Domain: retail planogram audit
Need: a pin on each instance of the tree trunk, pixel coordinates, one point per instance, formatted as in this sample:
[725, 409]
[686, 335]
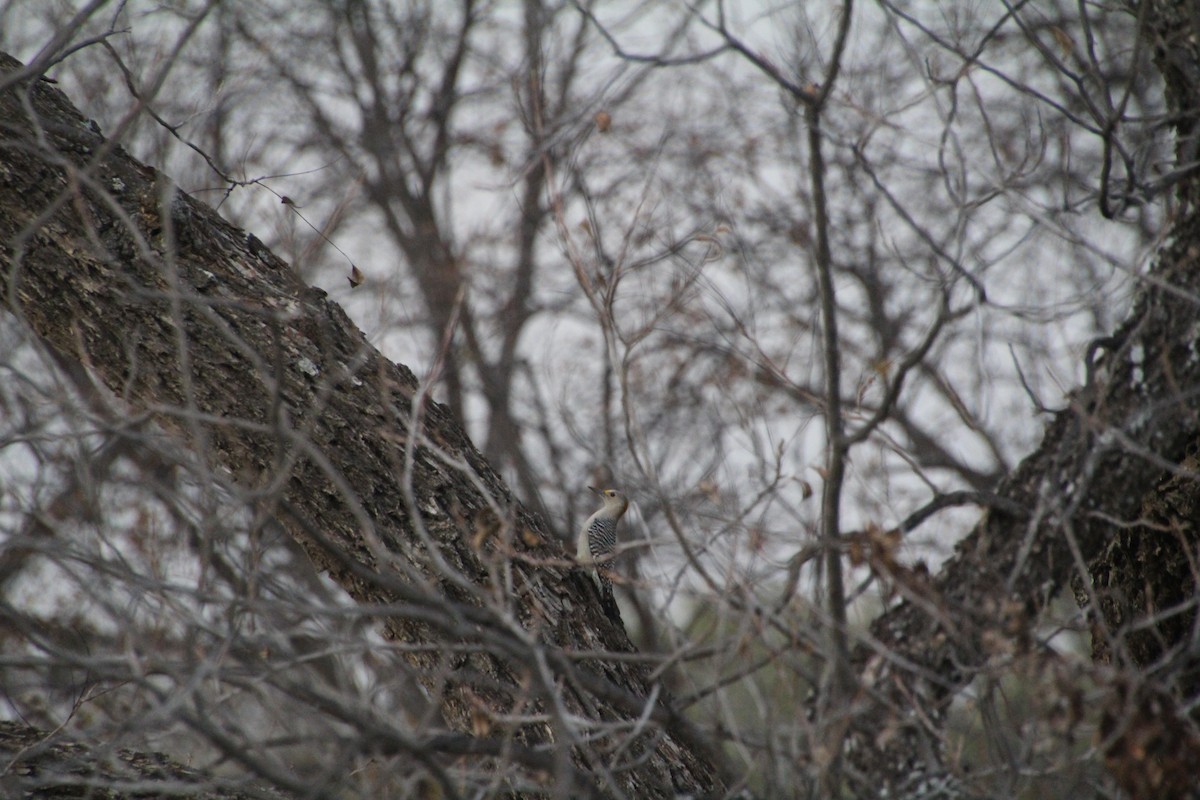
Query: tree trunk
[196, 325]
[1111, 492]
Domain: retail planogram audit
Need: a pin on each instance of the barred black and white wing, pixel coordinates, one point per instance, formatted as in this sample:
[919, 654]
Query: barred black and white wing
[602, 538]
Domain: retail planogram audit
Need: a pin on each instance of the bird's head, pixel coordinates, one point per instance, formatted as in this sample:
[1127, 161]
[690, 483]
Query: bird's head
[613, 499]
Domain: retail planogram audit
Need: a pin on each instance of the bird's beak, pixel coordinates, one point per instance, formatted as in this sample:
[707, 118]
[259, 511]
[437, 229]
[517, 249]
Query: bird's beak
[594, 489]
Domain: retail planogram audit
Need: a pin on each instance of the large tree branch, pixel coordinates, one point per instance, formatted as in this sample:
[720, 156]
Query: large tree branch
[190, 321]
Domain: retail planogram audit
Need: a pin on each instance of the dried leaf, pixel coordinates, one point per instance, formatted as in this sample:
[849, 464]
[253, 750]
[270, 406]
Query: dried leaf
[1064, 40]
[355, 277]
[603, 121]
[486, 526]
[481, 724]
[856, 551]
[758, 539]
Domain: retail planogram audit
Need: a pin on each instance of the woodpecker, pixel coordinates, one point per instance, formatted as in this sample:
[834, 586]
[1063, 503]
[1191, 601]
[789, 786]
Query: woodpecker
[598, 541]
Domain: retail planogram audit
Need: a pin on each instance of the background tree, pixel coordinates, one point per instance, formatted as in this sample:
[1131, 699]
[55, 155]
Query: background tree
[733, 259]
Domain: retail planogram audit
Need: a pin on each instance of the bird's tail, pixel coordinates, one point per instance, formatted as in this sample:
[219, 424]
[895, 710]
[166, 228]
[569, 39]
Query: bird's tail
[608, 601]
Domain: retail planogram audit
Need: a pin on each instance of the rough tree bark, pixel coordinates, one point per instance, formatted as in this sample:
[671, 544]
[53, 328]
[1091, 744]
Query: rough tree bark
[110, 265]
[197, 326]
[1111, 493]
[48, 768]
